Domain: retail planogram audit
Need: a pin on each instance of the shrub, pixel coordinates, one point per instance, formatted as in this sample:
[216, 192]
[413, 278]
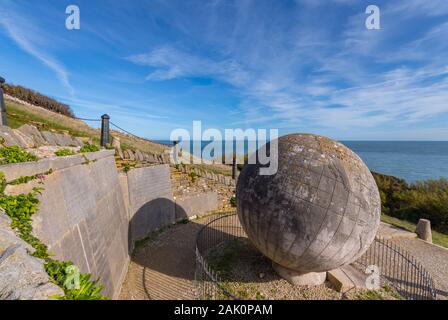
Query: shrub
[14, 154]
[64, 152]
[89, 148]
[192, 176]
[232, 201]
[38, 99]
[411, 202]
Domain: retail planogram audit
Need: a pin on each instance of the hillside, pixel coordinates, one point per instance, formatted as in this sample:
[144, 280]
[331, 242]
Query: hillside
[19, 113]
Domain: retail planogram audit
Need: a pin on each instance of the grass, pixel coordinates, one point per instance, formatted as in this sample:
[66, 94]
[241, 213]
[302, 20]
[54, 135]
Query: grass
[18, 115]
[437, 237]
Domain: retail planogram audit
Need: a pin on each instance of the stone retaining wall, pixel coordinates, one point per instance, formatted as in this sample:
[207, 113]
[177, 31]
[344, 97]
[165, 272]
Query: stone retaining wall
[28, 136]
[82, 215]
[92, 216]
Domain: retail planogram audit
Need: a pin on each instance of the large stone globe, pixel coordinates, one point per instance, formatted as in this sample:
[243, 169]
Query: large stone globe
[320, 211]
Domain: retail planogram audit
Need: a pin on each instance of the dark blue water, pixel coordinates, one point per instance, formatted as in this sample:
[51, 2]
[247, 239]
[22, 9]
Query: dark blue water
[409, 160]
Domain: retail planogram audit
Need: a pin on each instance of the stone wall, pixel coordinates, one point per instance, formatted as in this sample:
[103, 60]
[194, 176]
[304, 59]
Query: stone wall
[151, 205]
[82, 215]
[91, 215]
[196, 205]
[21, 276]
[28, 136]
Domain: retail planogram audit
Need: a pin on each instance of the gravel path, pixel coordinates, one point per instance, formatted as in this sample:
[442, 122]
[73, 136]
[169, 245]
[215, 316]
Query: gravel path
[433, 258]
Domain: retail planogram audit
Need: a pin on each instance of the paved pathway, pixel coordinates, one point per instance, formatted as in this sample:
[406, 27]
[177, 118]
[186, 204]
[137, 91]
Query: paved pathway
[433, 258]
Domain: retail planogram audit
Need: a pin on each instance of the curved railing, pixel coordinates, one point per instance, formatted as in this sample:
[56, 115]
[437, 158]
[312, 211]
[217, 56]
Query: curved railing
[397, 267]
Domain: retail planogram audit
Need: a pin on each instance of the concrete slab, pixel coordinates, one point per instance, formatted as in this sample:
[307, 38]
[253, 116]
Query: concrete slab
[347, 278]
[387, 231]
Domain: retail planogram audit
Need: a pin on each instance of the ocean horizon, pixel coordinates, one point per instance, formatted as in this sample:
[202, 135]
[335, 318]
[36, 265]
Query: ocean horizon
[409, 160]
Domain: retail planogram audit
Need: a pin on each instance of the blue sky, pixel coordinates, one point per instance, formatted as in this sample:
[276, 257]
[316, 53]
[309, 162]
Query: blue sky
[299, 66]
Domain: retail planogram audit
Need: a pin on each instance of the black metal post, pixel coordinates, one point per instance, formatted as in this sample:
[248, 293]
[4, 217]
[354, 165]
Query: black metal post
[105, 137]
[234, 167]
[2, 104]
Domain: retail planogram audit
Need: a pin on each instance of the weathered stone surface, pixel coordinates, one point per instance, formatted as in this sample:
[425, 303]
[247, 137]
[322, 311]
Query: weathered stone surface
[25, 141]
[116, 144]
[196, 205]
[21, 276]
[150, 200]
[9, 138]
[423, 230]
[300, 279]
[347, 278]
[77, 141]
[131, 155]
[120, 153]
[319, 212]
[138, 156]
[82, 214]
[50, 138]
[32, 132]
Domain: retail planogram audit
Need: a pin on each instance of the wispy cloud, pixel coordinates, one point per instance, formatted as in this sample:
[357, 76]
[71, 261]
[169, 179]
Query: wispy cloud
[306, 75]
[30, 38]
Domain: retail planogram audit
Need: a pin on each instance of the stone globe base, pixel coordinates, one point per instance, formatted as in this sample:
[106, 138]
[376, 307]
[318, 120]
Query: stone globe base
[300, 279]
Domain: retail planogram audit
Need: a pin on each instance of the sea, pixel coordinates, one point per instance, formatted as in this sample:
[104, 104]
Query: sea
[409, 160]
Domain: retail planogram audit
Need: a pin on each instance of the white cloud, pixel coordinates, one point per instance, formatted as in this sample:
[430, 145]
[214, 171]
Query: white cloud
[30, 38]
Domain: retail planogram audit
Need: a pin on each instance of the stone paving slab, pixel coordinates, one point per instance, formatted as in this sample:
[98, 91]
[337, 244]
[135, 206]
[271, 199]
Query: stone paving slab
[387, 231]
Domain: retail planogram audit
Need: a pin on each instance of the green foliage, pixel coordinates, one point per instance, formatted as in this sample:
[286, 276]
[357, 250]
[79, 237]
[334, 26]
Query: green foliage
[193, 176]
[20, 208]
[64, 152]
[126, 168]
[411, 202]
[232, 201]
[25, 179]
[89, 148]
[13, 154]
[37, 99]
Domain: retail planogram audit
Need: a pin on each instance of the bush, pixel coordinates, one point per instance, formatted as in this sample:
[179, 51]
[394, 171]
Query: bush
[64, 152]
[14, 154]
[232, 201]
[38, 99]
[411, 202]
[89, 148]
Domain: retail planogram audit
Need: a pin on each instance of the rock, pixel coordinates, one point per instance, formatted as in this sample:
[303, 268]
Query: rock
[262, 275]
[77, 141]
[131, 155]
[116, 143]
[33, 133]
[423, 230]
[298, 278]
[21, 275]
[50, 138]
[138, 156]
[9, 138]
[120, 153]
[26, 141]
